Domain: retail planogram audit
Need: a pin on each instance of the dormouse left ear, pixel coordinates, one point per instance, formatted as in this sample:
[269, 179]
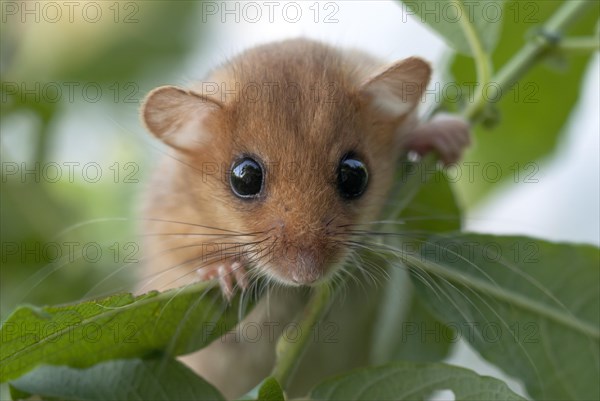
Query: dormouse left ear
[175, 116]
[397, 91]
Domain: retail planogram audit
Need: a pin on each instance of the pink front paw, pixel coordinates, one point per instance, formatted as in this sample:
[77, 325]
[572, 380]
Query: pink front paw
[229, 274]
[446, 134]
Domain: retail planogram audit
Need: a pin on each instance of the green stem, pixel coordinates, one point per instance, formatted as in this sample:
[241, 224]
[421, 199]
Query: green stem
[289, 353]
[483, 63]
[532, 53]
[579, 45]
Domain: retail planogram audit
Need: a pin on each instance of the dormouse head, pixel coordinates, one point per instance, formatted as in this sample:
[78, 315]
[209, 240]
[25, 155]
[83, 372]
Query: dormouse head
[302, 141]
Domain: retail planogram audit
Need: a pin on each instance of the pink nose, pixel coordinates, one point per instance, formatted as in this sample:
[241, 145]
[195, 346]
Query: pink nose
[307, 269]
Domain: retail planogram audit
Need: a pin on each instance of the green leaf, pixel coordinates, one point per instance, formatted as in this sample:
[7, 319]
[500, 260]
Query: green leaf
[176, 322]
[531, 114]
[16, 394]
[403, 336]
[412, 381]
[462, 24]
[267, 390]
[123, 380]
[422, 337]
[528, 306]
[421, 200]
[433, 209]
[270, 390]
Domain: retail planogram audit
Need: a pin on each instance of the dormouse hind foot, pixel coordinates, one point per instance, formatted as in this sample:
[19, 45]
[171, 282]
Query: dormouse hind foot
[446, 134]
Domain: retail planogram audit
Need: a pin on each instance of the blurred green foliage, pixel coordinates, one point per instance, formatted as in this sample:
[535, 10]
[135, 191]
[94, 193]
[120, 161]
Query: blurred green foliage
[126, 46]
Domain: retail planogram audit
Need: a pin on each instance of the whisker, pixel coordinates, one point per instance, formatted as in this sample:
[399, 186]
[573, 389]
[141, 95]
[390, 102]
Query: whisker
[185, 234]
[191, 225]
[415, 262]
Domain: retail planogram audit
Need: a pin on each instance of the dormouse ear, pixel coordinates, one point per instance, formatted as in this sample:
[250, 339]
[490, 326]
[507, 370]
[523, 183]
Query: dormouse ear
[397, 90]
[174, 115]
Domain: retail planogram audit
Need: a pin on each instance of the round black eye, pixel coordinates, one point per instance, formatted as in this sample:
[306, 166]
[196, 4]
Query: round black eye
[246, 178]
[352, 177]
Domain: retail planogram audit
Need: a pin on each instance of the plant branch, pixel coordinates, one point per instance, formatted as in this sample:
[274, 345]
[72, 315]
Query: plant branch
[583, 45]
[483, 62]
[547, 39]
[289, 352]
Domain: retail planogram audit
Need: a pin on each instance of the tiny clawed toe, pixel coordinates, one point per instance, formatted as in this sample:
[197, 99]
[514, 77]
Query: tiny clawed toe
[229, 276]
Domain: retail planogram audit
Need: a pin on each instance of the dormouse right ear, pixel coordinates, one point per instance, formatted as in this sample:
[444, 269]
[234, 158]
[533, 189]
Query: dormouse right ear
[396, 91]
[175, 115]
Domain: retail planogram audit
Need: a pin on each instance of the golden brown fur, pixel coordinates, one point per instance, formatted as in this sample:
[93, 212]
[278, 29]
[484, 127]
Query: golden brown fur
[310, 110]
[311, 105]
